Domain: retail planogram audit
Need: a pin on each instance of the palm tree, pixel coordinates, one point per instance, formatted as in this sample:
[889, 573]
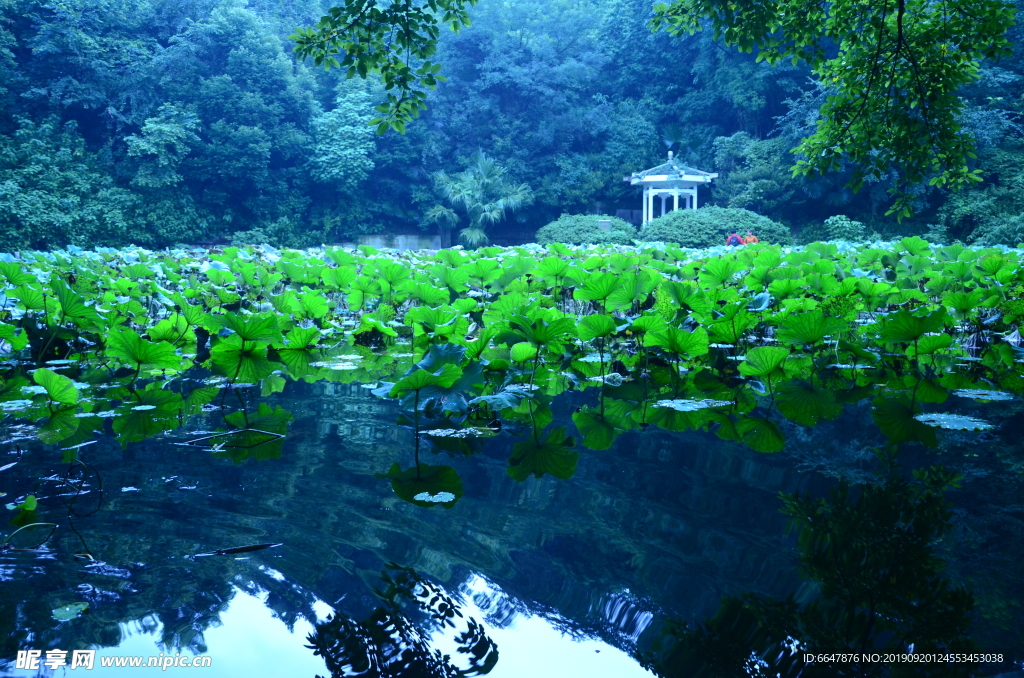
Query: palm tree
[483, 192]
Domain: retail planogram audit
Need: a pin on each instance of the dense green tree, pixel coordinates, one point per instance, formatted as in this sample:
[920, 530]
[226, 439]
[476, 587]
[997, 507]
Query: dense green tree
[893, 81]
[192, 121]
[52, 192]
[342, 142]
[165, 140]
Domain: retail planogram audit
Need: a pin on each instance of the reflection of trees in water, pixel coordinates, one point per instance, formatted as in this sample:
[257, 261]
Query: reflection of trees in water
[874, 584]
[394, 640]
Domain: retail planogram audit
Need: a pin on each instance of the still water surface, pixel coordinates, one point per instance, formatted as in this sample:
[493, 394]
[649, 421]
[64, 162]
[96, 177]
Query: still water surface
[540, 578]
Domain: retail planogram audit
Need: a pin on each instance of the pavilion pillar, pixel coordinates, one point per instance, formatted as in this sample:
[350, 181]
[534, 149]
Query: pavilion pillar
[643, 210]
[693, 198]
[664, 197]
[675, 199]
[650, 205]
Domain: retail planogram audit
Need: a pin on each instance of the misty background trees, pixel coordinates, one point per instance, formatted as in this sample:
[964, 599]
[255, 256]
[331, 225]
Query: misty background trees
[158, 122]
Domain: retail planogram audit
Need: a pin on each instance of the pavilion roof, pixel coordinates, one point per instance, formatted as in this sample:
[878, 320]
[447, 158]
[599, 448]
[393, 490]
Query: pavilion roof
[672, 171]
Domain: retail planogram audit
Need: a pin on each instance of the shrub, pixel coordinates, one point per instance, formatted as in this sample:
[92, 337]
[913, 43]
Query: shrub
[1006, 231]
[583, 229]
[708, 226]
[839, 227]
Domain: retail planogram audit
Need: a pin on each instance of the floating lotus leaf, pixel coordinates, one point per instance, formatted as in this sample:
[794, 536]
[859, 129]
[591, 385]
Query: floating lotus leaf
[425, 485]
[459, 432]
[689, 405]
[983, 394]
[954, 422]
[70, 611]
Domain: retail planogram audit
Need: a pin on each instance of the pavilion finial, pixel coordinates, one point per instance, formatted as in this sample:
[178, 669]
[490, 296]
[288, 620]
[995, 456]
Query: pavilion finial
[670, 156]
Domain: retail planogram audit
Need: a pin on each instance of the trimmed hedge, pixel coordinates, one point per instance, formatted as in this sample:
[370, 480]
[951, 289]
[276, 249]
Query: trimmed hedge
[708, 227]
[583, 229]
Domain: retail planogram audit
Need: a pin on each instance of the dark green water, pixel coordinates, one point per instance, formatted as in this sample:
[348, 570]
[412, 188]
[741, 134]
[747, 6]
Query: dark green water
[544, 577]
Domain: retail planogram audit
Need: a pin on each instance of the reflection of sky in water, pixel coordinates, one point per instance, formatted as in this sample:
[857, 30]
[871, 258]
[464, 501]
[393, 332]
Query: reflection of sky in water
[530, 645]
[249, 642]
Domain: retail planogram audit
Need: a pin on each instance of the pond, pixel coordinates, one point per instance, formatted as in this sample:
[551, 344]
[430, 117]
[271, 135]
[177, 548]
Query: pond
[548, 576]
[595, 462]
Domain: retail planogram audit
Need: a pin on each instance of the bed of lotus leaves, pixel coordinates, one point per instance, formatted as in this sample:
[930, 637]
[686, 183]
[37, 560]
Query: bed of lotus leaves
[468, 343]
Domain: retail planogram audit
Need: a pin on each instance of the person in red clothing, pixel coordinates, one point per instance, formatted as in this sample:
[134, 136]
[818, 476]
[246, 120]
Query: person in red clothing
[733, 238]
[750, 238]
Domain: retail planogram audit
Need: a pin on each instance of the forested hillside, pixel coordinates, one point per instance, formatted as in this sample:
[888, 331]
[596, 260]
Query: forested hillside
[158, 122]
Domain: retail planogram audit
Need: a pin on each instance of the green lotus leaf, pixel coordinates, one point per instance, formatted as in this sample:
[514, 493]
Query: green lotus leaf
[194, 401]
[598, 432]
[648, 323]
[442, 354]
[964, 304]
[904, 326]
[931, 343]
[419, 379]
[71, 303]
[786, 287]
[761, 435]
[61, 425]
[240, 360]
[127, 345]
[764, 361]
[313, 304]
[551, 455]
[523, 352]
[895, 417]
[69, 611]
[59, 388]
[247, 327]
[29, 504]
[914, 245]
[554, 269]
[194, 315]
[425, 485]
[15, 274]
[338, 278]
[482, 271]
[597, 287]
[596, 326]
[300, 338]
[805, 403]
[679, 342]
[632, 289]
[172, 330]
[717, 272]
[809, 328]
